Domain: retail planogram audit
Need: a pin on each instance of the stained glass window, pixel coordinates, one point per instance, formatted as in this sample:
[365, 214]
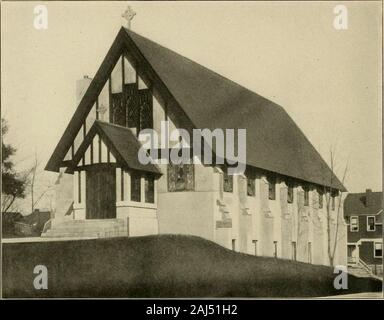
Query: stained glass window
[135, 187]
[180, 177]
[228, 182]
[149, 189]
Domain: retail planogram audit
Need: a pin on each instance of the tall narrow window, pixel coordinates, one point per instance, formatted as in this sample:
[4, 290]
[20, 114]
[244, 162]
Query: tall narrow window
[306, 196]
[271, 188]
[290, 192]
[135, 187]
[149, 189]
[294, 251]
[181, 177]
[79, 186]
[234, 244]
[122, 184]
[275, 249]
[309, 252]
[255, 244]
[228, 182]
[320, 199]
[333, 202]
[251, 187]
[378, 250]
[371, 223]
[354, 225]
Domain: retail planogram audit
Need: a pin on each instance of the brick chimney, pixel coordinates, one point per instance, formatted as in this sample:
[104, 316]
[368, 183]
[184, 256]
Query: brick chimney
[368, 198]
[81, 87]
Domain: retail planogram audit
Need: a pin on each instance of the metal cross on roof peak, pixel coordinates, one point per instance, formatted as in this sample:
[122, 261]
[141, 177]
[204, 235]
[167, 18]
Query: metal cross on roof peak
[128, 15]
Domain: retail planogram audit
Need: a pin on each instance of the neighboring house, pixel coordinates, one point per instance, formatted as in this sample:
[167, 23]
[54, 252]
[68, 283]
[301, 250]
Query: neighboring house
[17, 225]
[276, 208]
[37, 220]
[8, 222]
[364, 215]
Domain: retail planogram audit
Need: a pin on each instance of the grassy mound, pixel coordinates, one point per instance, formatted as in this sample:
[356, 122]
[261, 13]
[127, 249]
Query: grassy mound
[162, 266]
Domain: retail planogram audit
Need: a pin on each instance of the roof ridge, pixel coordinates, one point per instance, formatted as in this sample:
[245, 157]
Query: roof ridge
[202, 66]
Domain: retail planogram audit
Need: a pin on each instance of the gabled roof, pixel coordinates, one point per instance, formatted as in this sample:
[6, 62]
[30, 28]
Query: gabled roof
[356, 204]
[122, 143]
[209, 100]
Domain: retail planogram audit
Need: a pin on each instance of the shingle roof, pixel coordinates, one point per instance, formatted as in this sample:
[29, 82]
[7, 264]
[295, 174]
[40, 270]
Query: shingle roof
[274, 141]
[122, 142]
[356, 203]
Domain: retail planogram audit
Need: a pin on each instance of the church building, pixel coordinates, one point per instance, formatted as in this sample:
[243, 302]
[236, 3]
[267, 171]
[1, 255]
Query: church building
[284, 205]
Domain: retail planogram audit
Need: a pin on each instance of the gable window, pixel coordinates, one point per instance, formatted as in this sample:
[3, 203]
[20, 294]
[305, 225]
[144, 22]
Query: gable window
[271, 188]
[306, 196]
[180, 177]
[290, 193]
[378, 250]
[354, 225]
[228, 182]
[149, 189]
[135, 187]
[251, 187]
[371, 223]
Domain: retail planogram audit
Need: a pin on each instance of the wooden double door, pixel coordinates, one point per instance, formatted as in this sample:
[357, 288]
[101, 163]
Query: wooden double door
[100, 192]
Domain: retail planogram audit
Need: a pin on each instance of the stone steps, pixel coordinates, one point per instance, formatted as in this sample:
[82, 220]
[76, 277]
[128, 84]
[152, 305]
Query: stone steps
[359, 272]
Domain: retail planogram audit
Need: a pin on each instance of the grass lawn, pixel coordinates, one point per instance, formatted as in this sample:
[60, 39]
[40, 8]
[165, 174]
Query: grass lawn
[162, 266]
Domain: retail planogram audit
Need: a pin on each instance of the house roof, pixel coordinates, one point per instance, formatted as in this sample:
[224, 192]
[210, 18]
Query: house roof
[122, 143]
[356, 203]
[274, 142]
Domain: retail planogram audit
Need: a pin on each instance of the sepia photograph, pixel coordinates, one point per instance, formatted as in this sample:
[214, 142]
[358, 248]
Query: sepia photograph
[191, 149]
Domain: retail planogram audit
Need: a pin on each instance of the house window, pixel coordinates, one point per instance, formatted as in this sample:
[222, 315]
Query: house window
[333, 202]
[275, 249]
[251, 187]
[354, 225]
[234, 244]
[135, 187]
[255, 244]
[290, 193]
[180, 177]
[306, 196]
[294, 251]
[378, 250]
[371, 223]
[271, 188]
[149, 189]
[228, 182]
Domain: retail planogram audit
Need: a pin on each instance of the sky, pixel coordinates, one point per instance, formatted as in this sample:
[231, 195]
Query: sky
[328, 80]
